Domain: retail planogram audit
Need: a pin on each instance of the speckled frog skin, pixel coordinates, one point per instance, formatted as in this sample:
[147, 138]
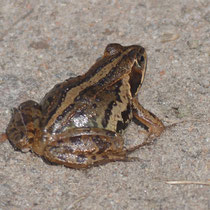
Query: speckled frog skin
[80, 121]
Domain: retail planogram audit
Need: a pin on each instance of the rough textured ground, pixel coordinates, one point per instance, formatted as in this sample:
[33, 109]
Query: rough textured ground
[44, 42]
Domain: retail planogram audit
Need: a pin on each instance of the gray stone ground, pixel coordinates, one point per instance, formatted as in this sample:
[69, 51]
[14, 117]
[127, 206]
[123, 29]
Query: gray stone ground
[44, 42]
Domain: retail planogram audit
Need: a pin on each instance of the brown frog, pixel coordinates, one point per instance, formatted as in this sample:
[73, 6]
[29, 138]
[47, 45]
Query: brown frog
[80, 121]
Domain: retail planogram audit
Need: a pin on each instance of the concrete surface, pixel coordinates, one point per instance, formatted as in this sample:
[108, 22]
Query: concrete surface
[44, 42]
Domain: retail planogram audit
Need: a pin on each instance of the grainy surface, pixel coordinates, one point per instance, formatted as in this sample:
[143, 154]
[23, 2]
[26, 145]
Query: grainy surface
[45, 42]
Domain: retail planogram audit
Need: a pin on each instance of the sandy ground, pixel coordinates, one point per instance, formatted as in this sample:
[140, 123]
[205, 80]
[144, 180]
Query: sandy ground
[44, 42]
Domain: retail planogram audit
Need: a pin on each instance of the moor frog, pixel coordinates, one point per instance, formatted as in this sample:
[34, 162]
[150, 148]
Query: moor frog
[80, 121]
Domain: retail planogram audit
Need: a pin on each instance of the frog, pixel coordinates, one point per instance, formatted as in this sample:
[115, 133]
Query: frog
[80, 122]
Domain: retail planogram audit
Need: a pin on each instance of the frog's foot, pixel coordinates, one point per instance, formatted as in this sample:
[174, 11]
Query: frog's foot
[151, 123]
[175, 123]
[24, 125]
[113, 157]
[148, 141]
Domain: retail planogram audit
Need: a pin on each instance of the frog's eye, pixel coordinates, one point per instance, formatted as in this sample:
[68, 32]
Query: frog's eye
[140, 60]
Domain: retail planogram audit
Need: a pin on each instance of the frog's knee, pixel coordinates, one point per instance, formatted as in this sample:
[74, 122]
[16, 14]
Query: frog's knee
[21, 128]
[17, 137]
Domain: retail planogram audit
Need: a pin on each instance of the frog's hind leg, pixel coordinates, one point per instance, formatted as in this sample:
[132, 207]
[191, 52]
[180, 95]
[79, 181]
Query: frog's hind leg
[146, 142]
[24, 125]
[86, 147]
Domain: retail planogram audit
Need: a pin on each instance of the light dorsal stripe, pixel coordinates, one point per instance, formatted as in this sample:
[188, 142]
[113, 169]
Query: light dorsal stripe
[75, 91]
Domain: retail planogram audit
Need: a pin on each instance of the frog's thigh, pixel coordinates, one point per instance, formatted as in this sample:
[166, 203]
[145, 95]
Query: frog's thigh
[152, 123]
[24, 125]
[83, 147]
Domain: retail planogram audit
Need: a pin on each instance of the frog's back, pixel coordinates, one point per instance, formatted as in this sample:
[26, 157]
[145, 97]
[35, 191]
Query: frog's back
[109, 109]
[55, 97]
[61, 98]
[100, 98]
[113, 107]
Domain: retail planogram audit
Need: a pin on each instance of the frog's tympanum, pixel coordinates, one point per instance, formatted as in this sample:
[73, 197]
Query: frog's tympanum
[80, 121]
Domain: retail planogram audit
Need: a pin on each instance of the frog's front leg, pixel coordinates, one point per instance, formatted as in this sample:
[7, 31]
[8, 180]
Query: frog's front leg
[85, 147]
[25, 125]
[150, 122]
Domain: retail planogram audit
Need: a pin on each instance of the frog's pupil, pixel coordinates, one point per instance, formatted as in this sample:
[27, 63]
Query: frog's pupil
[140, 60]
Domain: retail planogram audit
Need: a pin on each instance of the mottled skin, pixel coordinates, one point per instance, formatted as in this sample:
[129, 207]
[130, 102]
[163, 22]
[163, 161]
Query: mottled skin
[80, 121]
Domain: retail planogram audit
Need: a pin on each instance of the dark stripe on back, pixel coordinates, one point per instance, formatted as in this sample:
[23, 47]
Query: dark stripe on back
[80, 79]
[107, 114]
[113, 75]
[121, 125]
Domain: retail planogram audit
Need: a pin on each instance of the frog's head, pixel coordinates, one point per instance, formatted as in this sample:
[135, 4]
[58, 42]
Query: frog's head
[132, 60]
